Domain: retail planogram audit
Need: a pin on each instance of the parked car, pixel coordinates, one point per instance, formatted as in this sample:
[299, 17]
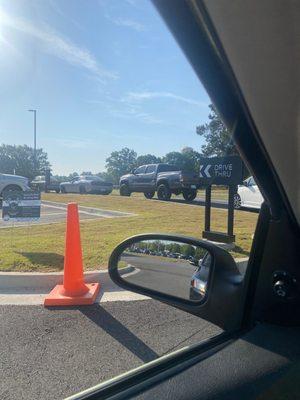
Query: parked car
[200, 278]
[13, 182]
[39, 183]
[164, 179]
[248, 195]
[87, 184]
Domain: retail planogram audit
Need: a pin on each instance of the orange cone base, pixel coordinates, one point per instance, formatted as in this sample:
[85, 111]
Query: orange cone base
[54, 298]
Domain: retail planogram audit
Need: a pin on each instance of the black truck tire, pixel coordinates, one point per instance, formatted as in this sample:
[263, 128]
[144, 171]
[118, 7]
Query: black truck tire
[11, 187]
[124, 190]
[189, 194]
[149, 195]
[163, 192]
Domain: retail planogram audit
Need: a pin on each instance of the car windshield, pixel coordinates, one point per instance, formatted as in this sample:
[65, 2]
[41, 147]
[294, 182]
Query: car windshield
[97, 91]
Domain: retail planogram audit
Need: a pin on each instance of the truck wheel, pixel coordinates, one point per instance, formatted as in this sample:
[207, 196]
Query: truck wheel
[57, 190]
[189, 195]
[149, 195]
[12, 187]
[163, 192]
[63, 189]
[124, 190]
[237, 203]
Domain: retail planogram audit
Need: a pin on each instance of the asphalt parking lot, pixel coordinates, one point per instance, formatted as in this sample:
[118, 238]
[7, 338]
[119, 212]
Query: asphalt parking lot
[54, 212]
[50, 354]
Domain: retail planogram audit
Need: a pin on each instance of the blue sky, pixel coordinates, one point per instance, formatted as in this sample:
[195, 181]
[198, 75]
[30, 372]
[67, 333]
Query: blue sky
[103, 74]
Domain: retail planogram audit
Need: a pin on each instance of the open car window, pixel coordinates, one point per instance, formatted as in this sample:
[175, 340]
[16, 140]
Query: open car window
[102, 88]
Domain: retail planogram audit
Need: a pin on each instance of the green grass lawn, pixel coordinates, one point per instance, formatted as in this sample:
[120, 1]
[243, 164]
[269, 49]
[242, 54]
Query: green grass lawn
[41, 248]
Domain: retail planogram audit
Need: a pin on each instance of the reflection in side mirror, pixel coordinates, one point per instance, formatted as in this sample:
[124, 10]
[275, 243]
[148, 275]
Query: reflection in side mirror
[194, 275]
[170, 267]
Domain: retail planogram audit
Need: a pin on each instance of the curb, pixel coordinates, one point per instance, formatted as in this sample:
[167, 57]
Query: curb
[39, 282]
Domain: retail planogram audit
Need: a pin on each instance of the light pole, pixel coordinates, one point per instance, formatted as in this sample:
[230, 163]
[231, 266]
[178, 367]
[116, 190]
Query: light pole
[34, 137]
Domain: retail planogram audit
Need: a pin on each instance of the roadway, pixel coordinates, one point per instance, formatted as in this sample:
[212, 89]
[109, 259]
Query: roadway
[53, 353]
[55, 212]
[170, 276]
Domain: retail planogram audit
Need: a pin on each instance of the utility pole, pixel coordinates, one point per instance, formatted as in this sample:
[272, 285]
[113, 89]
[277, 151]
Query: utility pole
[34, 138]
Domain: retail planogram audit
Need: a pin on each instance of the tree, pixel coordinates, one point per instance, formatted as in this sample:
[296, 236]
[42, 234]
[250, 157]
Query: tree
[218, 138]
[192, 159]
[120, 163]
[72, 175]
[147, 159]
[187, 160]
[175, 158]
[106, 176]
[187, 250]
[20, 160]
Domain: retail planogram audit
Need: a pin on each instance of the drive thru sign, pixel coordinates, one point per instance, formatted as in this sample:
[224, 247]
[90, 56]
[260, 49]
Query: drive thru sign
[221, 171]
[227, 171]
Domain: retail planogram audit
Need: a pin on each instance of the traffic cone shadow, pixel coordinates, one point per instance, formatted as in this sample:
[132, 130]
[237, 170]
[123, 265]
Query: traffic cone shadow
[73, 291]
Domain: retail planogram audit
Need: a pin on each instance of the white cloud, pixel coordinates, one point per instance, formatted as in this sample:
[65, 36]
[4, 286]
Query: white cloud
[121, 109]
[59, 46]
[136, 114]
[127, 23]
[141, 96]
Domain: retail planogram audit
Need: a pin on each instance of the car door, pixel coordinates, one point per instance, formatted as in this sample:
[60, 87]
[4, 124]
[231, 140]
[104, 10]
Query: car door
[256, 196]
[137, 178]
[148, 178]
[251, 194]
[73, 186]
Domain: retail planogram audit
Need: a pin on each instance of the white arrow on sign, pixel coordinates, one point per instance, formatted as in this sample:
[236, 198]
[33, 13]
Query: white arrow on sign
[205, 173]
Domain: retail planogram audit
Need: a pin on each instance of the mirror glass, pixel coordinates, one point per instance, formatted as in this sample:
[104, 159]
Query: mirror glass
[167, 266]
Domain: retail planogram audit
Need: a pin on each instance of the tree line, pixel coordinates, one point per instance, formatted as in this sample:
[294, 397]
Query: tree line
[158, 246]
[20, 160]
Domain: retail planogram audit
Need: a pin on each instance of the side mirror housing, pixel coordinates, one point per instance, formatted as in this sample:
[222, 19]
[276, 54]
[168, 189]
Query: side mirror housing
[193, 275]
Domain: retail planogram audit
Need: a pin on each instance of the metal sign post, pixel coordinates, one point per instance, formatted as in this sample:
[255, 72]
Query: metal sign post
[225, 171]
[47, 179]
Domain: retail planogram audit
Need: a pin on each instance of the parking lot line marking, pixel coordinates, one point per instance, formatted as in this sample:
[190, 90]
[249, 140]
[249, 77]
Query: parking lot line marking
[49, 203]
[53, 214]
[96, 213]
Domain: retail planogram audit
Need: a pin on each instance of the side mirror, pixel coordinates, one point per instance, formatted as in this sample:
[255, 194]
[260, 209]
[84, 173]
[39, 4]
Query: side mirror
[193, 275]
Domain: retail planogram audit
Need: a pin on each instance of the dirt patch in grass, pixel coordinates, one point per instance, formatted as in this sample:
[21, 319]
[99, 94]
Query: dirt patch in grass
[41, 248]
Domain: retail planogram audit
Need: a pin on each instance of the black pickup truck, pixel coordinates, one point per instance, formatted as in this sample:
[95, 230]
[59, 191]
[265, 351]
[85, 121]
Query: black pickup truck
[164, 179]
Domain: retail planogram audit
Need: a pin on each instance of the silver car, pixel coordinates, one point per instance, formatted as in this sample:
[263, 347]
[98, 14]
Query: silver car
[13, 182]
[87, 184]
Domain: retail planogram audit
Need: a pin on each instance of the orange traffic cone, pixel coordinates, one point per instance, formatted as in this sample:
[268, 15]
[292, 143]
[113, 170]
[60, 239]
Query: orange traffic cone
[73, 291]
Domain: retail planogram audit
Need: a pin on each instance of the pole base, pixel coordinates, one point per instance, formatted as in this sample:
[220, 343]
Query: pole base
[55, 298]
[218, 236]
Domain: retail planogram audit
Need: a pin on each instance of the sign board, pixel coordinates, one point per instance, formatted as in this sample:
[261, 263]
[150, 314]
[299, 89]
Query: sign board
[221, 171]
[21, 206]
